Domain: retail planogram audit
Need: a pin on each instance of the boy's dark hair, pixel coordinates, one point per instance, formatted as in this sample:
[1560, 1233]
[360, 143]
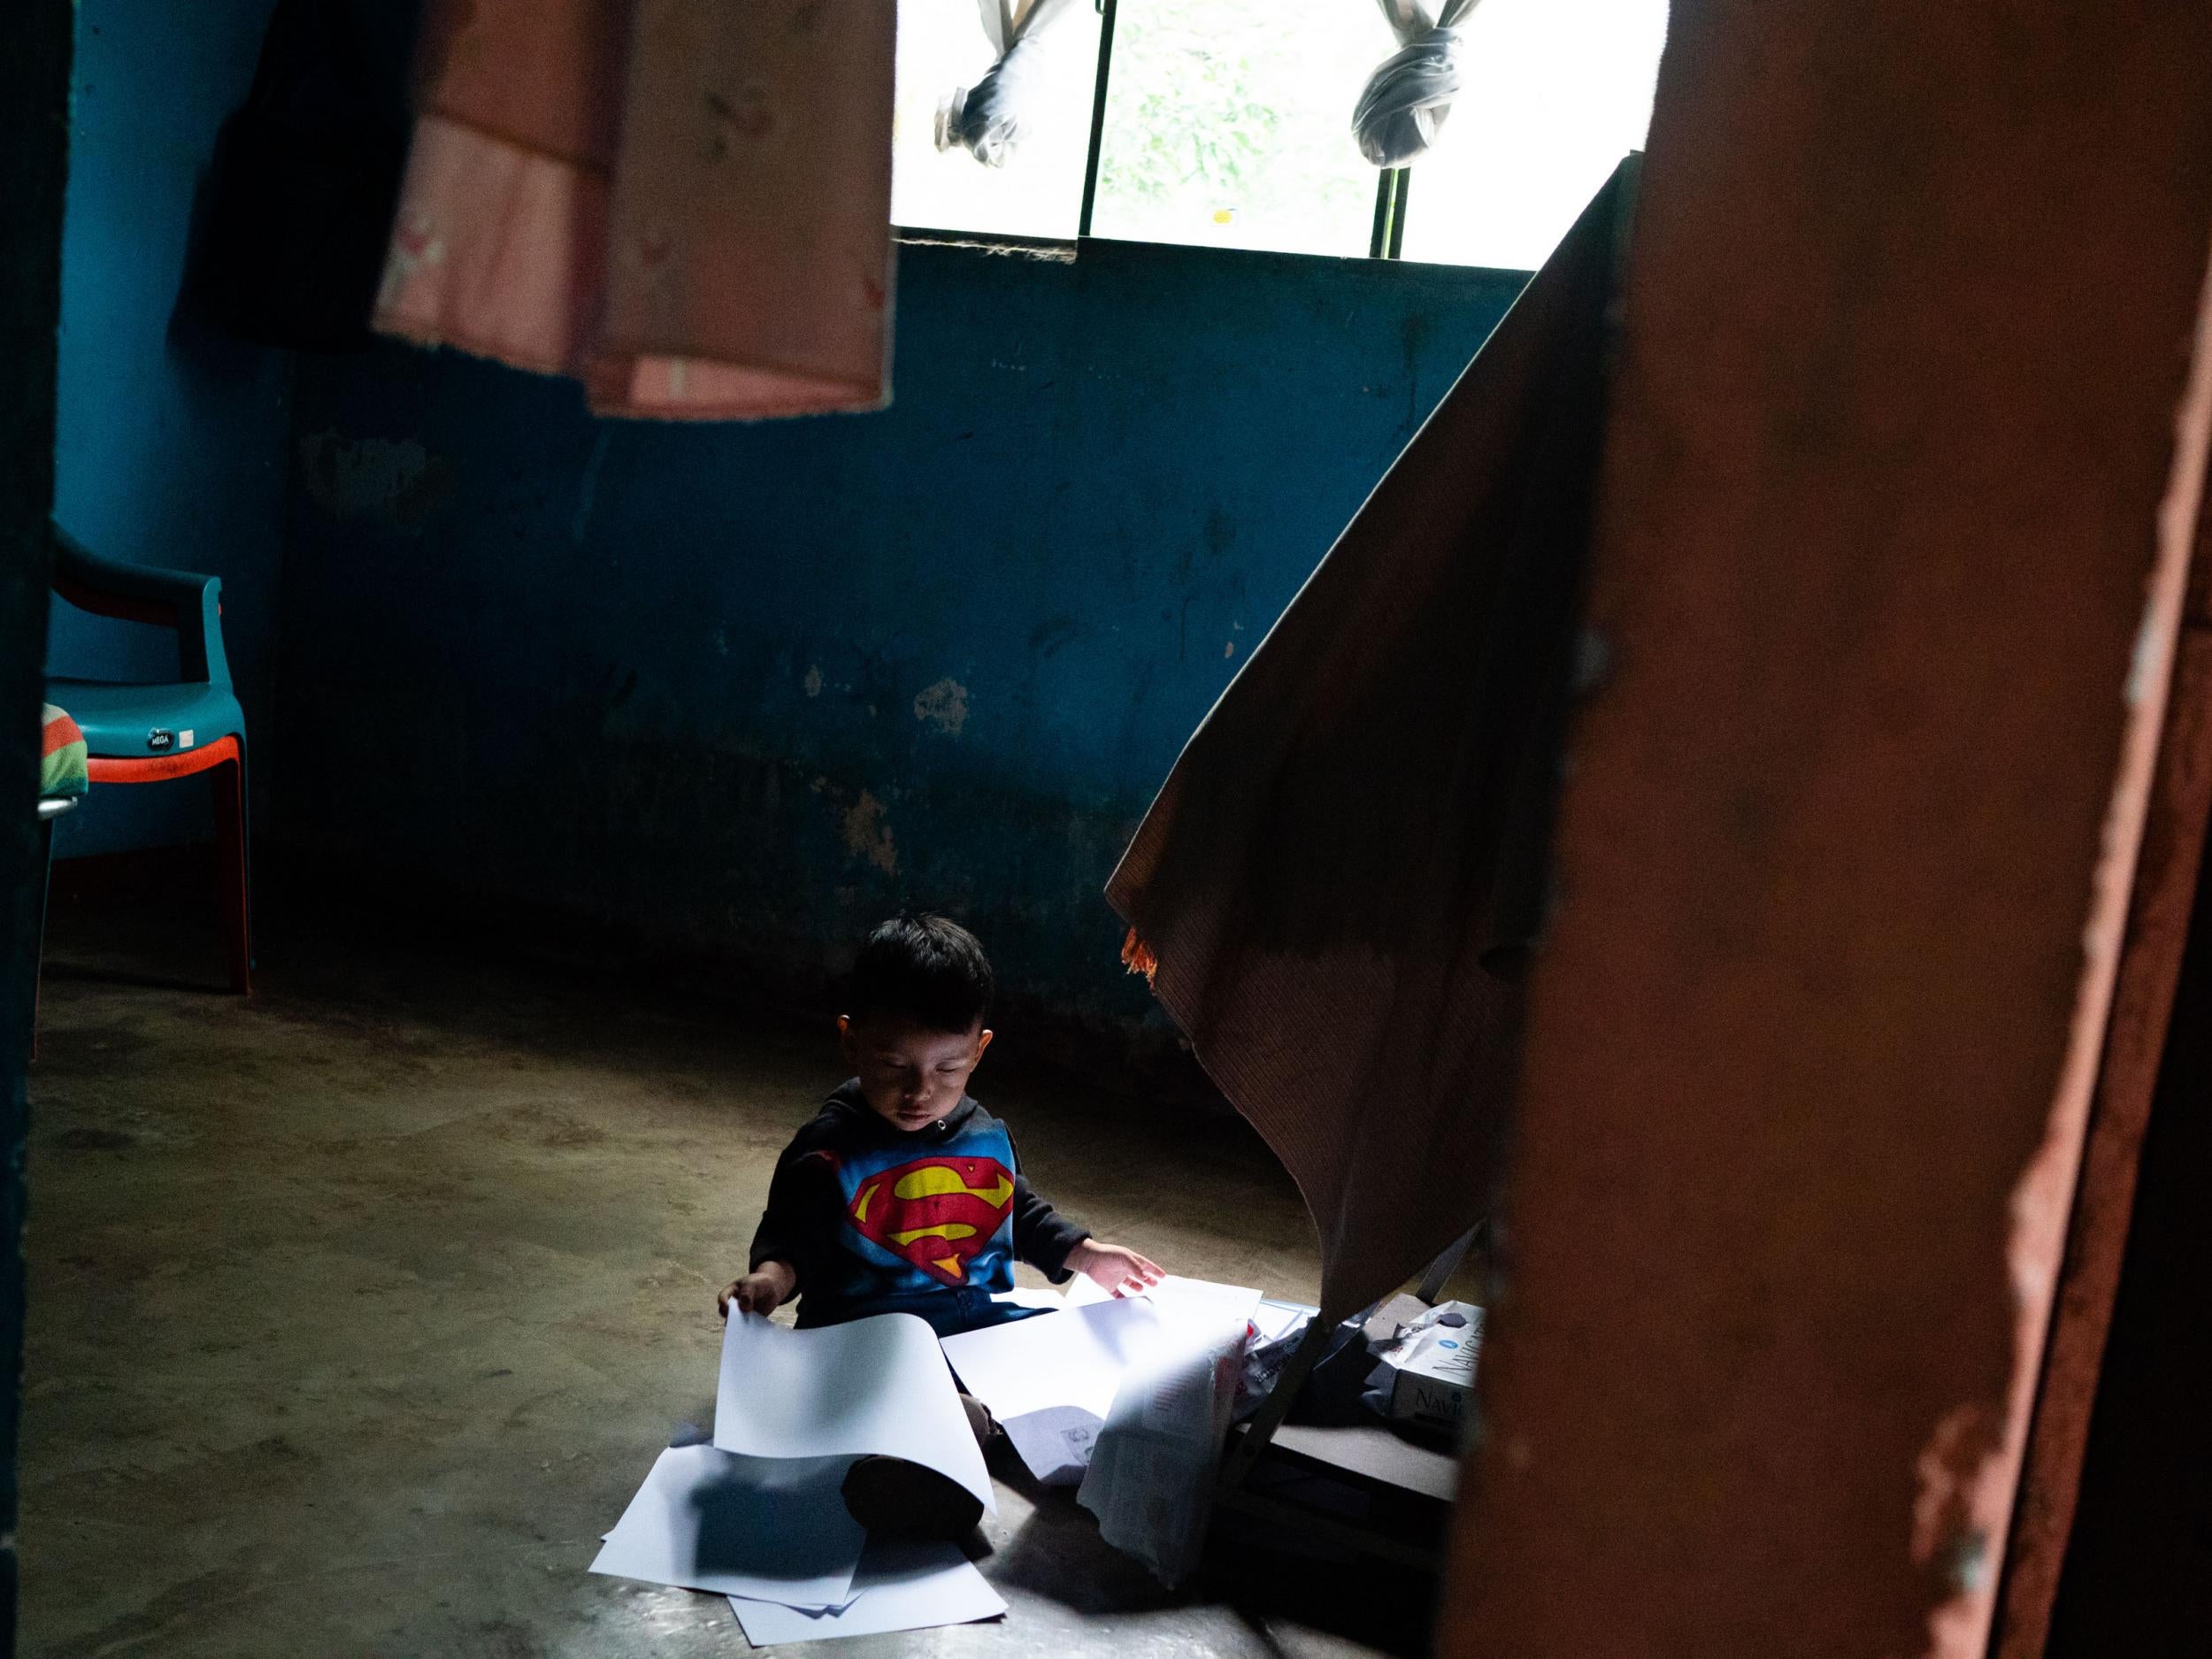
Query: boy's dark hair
[931, 969]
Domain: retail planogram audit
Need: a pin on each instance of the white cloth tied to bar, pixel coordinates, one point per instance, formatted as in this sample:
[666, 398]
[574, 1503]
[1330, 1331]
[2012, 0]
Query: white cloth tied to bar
[989, 118]
[1403, 105]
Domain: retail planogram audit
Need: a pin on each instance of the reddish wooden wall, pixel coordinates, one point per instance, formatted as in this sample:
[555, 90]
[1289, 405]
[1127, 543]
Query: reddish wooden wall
[1893, 527]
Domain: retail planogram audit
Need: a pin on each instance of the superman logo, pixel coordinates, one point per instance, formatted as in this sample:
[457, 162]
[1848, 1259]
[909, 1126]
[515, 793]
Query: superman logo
[935, 1213]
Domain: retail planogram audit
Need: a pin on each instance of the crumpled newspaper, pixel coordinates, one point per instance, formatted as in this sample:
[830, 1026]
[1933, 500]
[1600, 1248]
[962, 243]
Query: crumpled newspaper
[1151, 1476]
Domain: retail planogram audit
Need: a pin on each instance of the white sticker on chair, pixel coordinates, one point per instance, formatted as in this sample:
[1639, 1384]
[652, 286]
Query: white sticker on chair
[184, 738]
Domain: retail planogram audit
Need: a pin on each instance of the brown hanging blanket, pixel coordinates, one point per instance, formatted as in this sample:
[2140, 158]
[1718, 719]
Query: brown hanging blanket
[1336, 889]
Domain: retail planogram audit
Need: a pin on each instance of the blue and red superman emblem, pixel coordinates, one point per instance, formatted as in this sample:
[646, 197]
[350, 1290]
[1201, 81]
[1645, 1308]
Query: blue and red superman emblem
[935, 1214]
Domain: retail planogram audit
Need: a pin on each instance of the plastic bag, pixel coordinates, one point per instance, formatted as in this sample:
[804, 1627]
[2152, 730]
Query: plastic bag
[989, 118]
[1403, 106]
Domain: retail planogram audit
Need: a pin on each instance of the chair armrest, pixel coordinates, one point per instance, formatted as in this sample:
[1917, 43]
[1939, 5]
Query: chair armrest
[184, 600]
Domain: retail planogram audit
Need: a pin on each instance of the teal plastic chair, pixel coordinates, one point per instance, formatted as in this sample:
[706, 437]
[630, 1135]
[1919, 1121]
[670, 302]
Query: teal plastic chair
[155, 733]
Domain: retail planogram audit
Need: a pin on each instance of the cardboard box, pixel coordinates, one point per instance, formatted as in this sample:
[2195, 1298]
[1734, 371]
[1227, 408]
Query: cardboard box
[1427, 1377]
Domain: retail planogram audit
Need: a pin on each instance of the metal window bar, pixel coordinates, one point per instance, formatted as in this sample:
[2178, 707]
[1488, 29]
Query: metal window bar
[1106, 10]
[1389, 233]
[1390, 185]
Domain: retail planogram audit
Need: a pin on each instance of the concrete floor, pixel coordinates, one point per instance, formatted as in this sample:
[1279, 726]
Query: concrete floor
[360, 1308]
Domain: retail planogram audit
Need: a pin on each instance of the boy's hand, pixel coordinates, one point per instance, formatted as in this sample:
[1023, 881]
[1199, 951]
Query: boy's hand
[1114, 1267]
[760, 1291]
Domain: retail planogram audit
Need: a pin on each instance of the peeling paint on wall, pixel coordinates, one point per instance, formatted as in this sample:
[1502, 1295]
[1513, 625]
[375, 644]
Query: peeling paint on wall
[2042, 1202]
[394, 480]
[1946, 1529]
[943, 705]
[868, 836]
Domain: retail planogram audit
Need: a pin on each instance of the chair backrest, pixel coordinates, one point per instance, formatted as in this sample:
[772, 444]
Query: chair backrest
[185, 602]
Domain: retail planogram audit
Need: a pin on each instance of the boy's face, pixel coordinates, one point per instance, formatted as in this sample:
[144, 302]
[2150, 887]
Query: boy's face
[911, 1075]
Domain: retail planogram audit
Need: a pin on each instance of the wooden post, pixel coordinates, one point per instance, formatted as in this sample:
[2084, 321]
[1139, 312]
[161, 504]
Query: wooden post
[2158, 930]
[33, 166]
[1903, 467]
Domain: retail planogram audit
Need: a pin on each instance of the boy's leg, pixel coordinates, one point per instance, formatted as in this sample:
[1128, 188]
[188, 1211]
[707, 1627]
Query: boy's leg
[980, 1420]
[889, 1494]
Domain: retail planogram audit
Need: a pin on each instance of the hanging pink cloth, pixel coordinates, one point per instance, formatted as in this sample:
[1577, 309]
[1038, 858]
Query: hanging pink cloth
[684, 204]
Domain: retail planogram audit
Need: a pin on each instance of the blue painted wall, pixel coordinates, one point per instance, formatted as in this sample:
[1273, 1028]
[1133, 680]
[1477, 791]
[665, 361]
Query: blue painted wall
[171, 438]
[747, 689]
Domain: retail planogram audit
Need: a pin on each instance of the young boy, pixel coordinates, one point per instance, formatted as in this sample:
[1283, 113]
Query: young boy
[902, 1195]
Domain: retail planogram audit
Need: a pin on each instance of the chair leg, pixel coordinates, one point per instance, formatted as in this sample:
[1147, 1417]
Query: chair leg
[228, 781]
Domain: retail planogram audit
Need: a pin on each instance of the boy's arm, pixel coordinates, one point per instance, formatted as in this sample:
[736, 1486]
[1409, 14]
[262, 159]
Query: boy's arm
[802, 1194]
[1116, 1267]
[1043, 1237]
[764, 1290]
[1048, 1240]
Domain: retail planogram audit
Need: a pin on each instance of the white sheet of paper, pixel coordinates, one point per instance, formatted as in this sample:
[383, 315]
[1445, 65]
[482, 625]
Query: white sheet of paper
[1054, 1443]
[877, 1386]
[903, 1584]
[1071, 1358]
[1032, 1296]
[774, 1529]
[1196, 1298]
[1203, 1301]
[1050, 1380]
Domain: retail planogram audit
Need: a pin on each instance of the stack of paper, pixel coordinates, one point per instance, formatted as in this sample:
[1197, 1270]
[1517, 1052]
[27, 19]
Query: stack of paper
[1050, 1379]
[903, 1584]
[759, 1516]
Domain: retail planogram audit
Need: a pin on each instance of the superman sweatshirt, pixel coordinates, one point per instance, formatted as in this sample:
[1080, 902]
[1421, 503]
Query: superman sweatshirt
[874, 1218]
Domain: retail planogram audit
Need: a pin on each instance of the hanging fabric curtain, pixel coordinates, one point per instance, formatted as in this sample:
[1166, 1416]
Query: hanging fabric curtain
[1337, 888]
[298, 201]
[989, 118]
[685, 204]
[1406, 98]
